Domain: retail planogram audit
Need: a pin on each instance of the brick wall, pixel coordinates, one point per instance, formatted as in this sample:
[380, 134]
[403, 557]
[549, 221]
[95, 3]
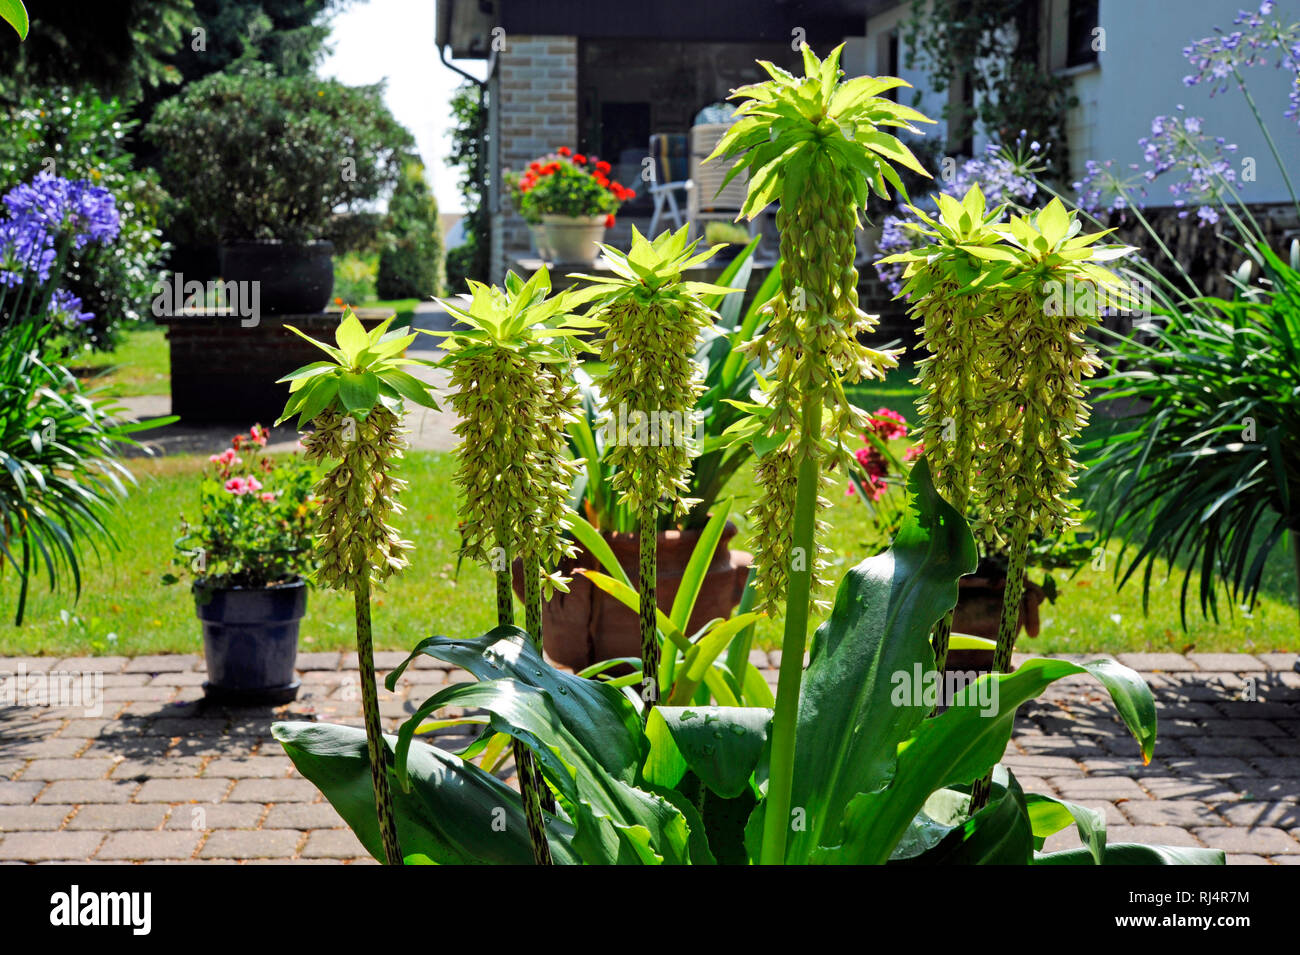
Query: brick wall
[539, 111]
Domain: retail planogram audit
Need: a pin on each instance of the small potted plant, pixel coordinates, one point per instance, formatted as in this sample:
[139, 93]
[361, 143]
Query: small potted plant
[574, 200]
[263, 163]
[249, 552]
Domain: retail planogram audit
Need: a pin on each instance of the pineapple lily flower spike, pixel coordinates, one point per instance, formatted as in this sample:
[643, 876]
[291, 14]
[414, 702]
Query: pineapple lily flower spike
[652, 321]
[816, 144]
[356, 401]
[508, 357]
[947, 281]
[1036, 346]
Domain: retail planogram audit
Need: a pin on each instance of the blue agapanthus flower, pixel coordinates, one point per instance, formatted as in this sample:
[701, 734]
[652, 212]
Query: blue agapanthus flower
[85, 211]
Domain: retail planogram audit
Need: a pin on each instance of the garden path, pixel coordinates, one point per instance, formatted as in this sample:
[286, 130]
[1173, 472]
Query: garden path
[158, 776]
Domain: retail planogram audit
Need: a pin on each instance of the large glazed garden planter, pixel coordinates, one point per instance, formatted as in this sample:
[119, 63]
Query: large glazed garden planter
[250, 641]
[586, 625]
[572, 240]
[294, 279]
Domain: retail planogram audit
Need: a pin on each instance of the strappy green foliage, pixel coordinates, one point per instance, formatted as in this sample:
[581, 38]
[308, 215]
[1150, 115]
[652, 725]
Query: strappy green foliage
[879, 782]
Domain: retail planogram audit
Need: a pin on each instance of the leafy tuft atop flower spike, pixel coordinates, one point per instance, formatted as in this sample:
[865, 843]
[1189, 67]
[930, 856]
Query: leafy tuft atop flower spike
[365, 369]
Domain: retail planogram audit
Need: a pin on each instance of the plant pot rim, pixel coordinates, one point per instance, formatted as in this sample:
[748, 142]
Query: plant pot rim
[555, 218]
[729, 530]
[282, 243]
[293, 583]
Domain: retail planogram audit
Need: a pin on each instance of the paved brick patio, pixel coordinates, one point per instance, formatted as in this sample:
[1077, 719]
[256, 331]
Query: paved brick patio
[160, 777]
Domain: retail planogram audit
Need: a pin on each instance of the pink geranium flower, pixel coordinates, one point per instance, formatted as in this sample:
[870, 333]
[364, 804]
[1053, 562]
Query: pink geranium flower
[889, 424]
[226, 458]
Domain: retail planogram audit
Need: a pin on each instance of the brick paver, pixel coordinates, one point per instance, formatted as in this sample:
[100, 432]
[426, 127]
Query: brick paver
[159, 776]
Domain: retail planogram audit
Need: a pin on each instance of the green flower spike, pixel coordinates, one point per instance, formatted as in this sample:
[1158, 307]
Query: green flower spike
[356, 401]
[815, 144]
[947, 281]
[506, 356]
[652, 323]
[1035, 342]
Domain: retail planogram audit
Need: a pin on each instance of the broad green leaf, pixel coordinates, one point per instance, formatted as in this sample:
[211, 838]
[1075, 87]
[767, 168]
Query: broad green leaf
[615, 822]
[508, 652]
[1049, 816]
[999, 834]
[454, 813]
[15, 14]
[351, 336]
[1131, 853]
[962, 744]
[358, 392]
[720, 744]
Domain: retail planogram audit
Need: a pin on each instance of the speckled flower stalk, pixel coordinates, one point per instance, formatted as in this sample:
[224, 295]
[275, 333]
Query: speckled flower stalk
[812, 142]
[514, 471]
[946, 278]
[652, 323]
[356, 401]
[357, 547]
[1036, 344]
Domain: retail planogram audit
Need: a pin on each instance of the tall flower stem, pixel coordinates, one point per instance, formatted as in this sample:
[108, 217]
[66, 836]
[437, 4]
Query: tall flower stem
[648, 571]
[533, 624]
[776, 823]
[1268, 137]
[376, 748]
[960, 485]
[1014, 592]
[1008, 624]
[530, 779]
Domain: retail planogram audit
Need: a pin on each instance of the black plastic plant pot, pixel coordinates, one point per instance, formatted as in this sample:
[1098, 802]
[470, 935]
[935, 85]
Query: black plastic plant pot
[291, 279]
[250, 640]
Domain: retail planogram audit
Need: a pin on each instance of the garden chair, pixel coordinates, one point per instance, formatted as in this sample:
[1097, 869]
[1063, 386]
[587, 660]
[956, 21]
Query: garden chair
[670, 162]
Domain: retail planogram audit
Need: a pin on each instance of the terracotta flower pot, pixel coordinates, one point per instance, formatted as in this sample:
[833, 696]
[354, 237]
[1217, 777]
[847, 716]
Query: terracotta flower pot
[572, 240]
[979, 606]
[586, 625]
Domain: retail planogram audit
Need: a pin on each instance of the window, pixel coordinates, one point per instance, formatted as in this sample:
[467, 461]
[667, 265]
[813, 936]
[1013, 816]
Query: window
[1081, 22]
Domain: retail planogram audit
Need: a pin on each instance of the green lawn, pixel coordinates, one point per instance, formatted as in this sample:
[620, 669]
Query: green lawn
[124, 608]
[140, 365]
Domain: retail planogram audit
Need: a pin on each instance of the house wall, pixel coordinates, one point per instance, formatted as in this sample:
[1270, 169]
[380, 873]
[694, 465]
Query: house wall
[1138, 76]
[537, 82]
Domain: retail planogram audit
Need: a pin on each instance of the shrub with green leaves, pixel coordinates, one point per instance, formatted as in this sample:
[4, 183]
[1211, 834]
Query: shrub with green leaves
[252, 156]
[410, 265]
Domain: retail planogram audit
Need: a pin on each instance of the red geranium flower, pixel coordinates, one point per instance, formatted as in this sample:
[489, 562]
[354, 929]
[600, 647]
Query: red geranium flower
[603, 167]
[564, 150]
[609, 221]
[601, 180]
[580, 159]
